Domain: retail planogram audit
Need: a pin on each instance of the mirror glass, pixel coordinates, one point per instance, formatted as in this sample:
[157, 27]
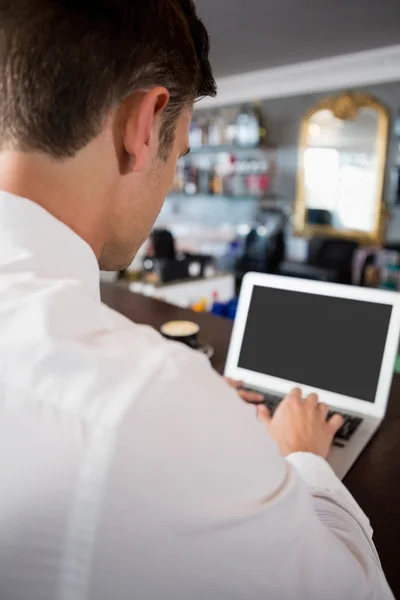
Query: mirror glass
[341, 170]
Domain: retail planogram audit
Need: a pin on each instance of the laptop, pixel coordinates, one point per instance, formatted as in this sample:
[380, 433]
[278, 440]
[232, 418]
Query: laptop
[338, 341]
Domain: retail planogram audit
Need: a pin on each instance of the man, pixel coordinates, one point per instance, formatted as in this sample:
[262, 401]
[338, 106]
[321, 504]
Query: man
[129, 469]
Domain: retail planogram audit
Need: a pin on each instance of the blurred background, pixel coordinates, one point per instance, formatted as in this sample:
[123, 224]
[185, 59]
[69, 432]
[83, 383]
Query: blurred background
[295, 166]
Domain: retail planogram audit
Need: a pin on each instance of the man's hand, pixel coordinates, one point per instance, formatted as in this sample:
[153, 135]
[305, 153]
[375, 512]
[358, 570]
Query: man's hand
[251, 397]
[300, 426]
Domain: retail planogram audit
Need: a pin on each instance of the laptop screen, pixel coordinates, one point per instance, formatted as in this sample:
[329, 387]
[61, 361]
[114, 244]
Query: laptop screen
[334, 344]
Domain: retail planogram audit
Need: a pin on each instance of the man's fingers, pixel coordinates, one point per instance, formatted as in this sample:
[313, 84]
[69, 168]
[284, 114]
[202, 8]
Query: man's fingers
[335, 423]
[263, 414]
[311, 401]
[324, 411]
[233, 383]
[294, 396]
[251, 397]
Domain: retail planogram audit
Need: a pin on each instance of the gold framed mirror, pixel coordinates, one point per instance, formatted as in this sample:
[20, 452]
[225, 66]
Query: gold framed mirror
[341, 170]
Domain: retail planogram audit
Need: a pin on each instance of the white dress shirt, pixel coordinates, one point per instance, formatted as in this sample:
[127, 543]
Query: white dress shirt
[129, 470]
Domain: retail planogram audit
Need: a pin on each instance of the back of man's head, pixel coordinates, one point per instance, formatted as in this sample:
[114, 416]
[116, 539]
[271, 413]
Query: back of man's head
[65, 63]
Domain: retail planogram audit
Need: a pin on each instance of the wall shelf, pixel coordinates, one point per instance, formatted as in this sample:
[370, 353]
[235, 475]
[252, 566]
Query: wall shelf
[246, 198]
[235, 149]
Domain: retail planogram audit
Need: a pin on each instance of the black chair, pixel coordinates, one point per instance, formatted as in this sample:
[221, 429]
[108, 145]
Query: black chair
[171, 265]
[329, 259]
[317, 216]
[263, 251]
[162, 248]
[163, 244]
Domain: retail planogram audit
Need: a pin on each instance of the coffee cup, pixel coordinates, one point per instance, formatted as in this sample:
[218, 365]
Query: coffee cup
[185, 332]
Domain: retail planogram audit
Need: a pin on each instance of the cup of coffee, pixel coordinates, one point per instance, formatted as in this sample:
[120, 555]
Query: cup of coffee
[186, 332]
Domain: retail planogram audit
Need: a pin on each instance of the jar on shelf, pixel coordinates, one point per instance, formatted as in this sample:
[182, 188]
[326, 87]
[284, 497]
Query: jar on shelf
[248, 130]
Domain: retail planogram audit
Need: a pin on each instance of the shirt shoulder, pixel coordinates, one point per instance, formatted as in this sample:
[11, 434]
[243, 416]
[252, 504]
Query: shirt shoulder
[63, 349]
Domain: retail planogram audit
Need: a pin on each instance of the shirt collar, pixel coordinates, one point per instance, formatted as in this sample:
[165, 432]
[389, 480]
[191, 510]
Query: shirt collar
[32, 239]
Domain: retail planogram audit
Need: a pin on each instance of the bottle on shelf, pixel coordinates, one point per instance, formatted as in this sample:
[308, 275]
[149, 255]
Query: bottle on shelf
[215, 184]
[191, 178]
[203, 123]
[218, 184]
[203, 181]
[239, 178]
[262, 128]
[228, 181]
[253, 179]
[195, 134]
[230, 126]
[179, 181]
[210, 186]
[216, 130]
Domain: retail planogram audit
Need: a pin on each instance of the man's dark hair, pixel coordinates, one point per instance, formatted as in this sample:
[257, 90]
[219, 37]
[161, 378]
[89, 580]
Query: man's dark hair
[65, 63]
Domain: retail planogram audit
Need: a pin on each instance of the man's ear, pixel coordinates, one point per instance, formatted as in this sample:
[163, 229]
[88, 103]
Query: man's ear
[141, 125]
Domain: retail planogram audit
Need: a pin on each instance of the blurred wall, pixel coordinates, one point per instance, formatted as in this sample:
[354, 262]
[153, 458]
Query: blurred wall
[283, 117]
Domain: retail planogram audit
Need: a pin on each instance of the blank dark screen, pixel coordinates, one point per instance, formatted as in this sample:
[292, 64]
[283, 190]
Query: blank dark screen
[333, 344]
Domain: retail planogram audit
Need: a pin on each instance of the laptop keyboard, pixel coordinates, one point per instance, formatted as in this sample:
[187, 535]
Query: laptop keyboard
[349, 427]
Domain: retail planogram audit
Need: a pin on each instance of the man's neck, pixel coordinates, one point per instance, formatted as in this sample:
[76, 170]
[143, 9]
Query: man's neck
[59, 186]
